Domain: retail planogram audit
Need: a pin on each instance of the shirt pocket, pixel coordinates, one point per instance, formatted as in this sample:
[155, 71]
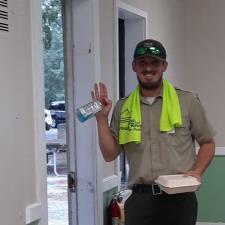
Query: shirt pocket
[180, 137]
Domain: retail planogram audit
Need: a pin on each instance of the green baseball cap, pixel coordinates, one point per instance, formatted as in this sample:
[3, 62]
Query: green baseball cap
[150, 47]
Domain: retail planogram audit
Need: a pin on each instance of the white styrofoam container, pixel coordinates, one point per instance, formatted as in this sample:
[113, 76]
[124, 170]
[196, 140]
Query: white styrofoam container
[179, 183]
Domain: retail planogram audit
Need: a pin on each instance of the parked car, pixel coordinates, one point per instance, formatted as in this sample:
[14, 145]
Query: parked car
[48, 119]
[58, 113]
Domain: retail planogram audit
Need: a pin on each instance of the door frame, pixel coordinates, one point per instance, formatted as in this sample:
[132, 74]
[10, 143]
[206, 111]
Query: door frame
[67, 25]
[136, 23]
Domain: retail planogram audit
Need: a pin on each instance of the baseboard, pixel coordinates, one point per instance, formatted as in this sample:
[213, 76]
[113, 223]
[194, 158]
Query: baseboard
[211, 223]
[111, 182]
[220, 151]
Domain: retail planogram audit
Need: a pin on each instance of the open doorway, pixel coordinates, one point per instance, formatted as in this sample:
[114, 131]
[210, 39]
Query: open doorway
[81, 70]
[55, 112]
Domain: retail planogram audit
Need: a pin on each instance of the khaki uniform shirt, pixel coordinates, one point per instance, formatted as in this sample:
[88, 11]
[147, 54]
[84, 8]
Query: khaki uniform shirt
[164, 153]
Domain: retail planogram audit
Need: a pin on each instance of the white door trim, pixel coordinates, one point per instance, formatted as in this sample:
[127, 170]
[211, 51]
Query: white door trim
[124, 10]
[38, 210]
[136, 29]
[128, 8]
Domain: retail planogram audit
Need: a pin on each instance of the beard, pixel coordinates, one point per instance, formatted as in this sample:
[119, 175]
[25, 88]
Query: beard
[150, 85]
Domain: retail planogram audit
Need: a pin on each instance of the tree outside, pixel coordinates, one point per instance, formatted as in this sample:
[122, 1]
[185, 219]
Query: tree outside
[53, 51]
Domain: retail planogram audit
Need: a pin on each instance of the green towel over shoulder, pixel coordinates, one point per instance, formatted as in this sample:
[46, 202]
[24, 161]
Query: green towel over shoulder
[130, 116]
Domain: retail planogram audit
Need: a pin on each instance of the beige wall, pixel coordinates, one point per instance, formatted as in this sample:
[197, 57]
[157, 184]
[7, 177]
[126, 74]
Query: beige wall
[18, 163]
[107, 51]
[204, 58]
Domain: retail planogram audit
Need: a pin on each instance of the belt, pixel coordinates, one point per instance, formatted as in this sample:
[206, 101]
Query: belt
[153, 189]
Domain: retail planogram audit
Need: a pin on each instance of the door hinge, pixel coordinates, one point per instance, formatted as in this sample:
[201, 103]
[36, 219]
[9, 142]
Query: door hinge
[72, 184]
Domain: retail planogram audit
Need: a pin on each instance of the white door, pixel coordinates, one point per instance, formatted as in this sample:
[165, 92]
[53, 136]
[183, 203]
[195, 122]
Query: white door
[81, 35]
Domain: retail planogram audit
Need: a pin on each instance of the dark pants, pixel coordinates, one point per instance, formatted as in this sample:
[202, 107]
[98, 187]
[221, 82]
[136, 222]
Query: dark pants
[163, 209]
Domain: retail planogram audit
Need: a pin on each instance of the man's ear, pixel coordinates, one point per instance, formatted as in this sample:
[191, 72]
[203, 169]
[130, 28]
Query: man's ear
[165, 65]
[133, 66]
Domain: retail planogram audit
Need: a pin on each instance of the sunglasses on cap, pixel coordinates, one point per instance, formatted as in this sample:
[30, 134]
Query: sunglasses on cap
[151, 50]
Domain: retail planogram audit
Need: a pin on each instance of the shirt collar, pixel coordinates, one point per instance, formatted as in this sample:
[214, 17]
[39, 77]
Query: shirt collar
[143, 100]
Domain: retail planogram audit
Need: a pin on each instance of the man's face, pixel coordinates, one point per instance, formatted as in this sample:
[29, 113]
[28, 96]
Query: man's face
[149, 72]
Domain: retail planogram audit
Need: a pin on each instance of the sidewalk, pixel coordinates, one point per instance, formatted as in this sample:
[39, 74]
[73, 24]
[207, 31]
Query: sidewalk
[57, 188]
[57, 200]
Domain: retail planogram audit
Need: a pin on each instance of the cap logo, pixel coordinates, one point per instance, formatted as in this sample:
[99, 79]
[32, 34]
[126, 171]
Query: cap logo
[147, 44]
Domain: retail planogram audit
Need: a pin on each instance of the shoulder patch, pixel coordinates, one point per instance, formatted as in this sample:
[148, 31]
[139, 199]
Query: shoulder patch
[123, 98]
[180, 89]
[194, 94]
[120, 101]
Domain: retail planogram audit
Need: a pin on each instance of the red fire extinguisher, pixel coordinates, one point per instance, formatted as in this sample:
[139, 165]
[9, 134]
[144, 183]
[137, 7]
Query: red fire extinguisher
[114, 212]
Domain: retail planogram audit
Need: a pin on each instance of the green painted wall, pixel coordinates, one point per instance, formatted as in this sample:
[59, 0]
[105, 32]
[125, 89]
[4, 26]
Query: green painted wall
[211, 195]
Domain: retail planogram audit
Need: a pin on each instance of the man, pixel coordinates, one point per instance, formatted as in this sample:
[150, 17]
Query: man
[157, 126]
